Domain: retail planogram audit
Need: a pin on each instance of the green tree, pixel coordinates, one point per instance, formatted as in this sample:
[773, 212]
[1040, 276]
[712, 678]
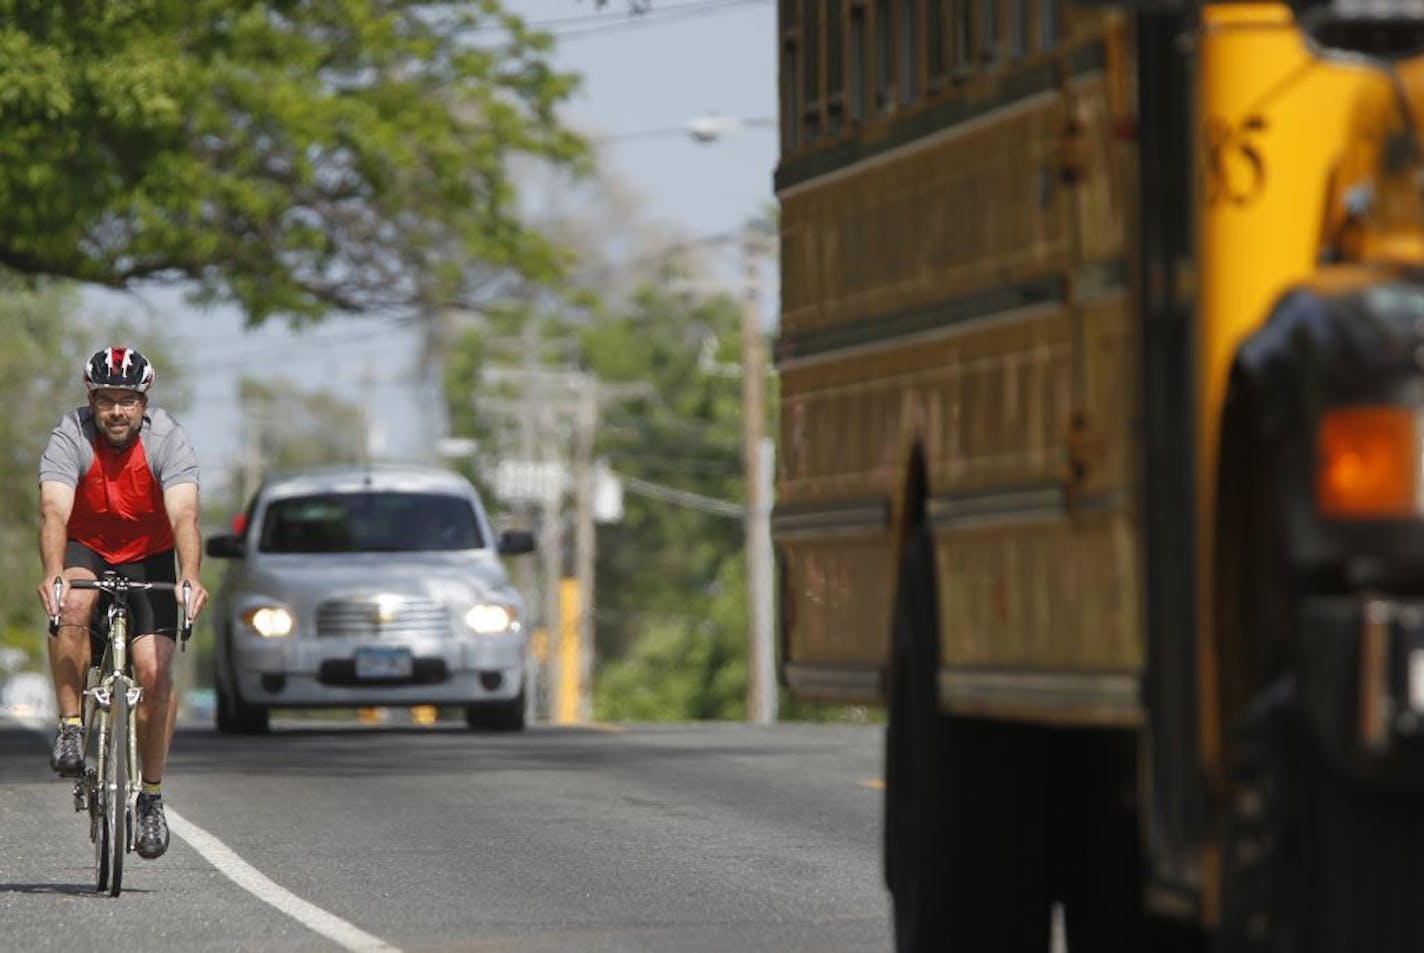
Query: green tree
[661, 559]
[297, 158]
[684, 667]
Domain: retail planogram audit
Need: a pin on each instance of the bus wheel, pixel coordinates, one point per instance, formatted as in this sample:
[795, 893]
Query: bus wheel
[915, 785]
[967, 855]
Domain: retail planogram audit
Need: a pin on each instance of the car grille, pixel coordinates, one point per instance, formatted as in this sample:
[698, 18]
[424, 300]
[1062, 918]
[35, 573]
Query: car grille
[369, 618]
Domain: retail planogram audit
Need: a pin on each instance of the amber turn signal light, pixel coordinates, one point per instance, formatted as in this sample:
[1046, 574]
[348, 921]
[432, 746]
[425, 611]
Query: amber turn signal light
[1367, 463]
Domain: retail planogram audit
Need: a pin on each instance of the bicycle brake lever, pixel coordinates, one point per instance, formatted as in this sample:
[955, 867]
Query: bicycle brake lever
[58, 594]
[185, 629]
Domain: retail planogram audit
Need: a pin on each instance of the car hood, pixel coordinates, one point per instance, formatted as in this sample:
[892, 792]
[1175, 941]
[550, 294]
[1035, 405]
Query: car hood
[451, 578]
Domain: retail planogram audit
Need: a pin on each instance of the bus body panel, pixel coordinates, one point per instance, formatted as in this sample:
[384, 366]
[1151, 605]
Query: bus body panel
[967, 294]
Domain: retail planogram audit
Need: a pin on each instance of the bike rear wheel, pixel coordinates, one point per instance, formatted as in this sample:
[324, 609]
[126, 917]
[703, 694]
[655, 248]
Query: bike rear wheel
[116, 786]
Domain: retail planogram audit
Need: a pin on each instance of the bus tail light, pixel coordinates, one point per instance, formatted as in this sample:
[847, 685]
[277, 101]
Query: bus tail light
[1368, 463]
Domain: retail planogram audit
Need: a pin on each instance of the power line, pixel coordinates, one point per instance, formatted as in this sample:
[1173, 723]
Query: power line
[686, 498]
[584, 19]
[672, 14]
[585, 23]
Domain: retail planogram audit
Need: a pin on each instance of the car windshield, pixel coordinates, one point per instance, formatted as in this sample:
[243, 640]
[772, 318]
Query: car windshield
[369, 522]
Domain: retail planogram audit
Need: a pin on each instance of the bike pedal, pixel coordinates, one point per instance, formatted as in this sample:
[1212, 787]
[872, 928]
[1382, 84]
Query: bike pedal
[81, 799]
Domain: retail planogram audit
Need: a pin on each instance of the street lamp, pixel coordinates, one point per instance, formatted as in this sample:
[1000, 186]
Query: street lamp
[708, 128]
[712, 127]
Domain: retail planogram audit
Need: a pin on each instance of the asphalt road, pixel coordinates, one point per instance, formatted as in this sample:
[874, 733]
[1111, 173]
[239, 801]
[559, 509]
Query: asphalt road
[709, 838]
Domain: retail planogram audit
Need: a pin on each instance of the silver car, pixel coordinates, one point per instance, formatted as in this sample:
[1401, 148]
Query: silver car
[368, 586]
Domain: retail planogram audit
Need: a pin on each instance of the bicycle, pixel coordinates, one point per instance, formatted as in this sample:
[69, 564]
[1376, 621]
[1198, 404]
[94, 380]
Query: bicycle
[109, 789]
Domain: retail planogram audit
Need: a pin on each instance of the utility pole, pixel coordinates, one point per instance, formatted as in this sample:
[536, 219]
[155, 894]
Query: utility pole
[585, 427]
[369, 448]
[551, 551]
[761, 690]
[537, 682]
[558, 413]
[251, 457]
[551, 513]
[435, 344]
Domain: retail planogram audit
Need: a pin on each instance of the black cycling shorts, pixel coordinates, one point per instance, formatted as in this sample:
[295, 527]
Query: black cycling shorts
[150, 612]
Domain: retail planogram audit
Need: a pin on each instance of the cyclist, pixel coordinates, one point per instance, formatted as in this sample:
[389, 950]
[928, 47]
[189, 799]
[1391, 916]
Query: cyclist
[119, 490]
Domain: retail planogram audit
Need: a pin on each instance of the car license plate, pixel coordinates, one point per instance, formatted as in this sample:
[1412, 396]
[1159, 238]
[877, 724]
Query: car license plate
[384, 663]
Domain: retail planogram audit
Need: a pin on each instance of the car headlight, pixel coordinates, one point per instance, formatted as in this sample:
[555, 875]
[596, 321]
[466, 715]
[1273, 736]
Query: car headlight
[270, 622]
[489, 618]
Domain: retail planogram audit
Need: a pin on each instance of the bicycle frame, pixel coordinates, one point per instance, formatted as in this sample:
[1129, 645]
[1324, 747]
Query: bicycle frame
[109, 789]
[115, 791]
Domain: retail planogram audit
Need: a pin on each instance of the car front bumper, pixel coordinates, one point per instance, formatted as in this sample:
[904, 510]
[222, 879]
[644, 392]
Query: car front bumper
[314, 673]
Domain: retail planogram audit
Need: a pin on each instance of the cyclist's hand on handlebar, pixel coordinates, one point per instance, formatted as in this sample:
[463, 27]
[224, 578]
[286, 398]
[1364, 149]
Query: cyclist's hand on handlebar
[52, 590]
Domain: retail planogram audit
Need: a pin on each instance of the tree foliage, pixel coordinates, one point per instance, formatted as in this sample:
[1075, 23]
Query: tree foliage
[683, 666]
[682, 432]
[295, 158]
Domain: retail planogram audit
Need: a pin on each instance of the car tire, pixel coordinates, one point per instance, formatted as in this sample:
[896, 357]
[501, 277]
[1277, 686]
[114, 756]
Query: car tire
[236, 717]
[497, 716]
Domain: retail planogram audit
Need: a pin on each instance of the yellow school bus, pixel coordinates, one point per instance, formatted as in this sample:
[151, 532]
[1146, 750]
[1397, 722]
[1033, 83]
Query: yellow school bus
[1099, 464]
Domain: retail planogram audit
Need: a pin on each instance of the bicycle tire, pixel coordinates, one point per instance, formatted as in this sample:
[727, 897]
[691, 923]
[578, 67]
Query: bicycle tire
[98, 799]
[101, 855]
[117, 784]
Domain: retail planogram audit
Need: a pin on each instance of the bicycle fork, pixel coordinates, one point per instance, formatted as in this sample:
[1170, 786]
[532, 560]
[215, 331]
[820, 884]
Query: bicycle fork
[98, 704]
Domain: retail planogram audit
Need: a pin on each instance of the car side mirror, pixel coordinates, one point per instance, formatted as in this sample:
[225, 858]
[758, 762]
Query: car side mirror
[516, 542]
[225, 546]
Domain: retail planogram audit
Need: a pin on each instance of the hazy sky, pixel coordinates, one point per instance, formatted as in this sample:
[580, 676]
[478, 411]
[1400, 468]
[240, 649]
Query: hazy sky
[645, 79]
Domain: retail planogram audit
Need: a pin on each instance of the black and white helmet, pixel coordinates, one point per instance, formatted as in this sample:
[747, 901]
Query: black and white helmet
[119, 367]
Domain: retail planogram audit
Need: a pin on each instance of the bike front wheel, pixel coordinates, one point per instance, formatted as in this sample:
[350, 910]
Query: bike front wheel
[116, 787]
[98, 800]
[101, 855]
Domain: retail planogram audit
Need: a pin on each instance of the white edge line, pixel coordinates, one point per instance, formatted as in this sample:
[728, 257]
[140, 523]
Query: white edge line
[262, 887]
[254, 881]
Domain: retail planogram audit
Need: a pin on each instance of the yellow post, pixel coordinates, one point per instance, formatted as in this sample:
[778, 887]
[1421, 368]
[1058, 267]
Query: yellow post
[566, 709]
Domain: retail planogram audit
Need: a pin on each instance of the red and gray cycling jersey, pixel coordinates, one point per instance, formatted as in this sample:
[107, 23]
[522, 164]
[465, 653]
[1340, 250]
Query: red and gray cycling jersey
[118, 499]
